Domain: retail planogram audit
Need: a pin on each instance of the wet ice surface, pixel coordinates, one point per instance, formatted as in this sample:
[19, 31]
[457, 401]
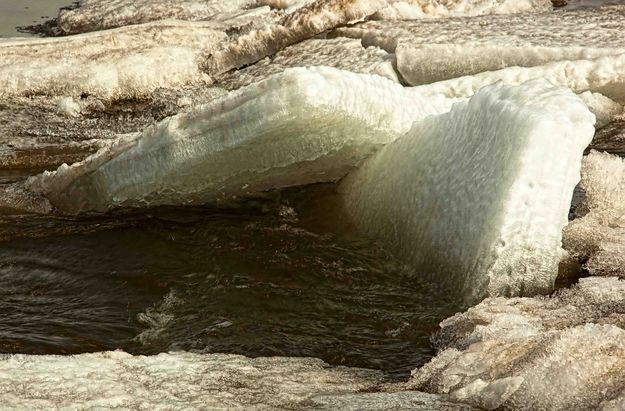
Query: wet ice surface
[248, 282]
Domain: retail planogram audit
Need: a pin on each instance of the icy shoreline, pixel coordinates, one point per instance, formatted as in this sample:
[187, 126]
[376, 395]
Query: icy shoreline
[228, 106]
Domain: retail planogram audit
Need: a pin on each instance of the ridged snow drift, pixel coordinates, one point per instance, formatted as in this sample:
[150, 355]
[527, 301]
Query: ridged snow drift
[598, 238]
[565, 352]
[298, 127]
[429, 51]
[479, 196]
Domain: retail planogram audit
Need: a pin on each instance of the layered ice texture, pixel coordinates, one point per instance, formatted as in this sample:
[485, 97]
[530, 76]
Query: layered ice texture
[552, 353]
[298, 127]
[479, 196]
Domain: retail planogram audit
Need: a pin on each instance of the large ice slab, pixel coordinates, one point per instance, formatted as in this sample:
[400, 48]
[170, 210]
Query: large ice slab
[553, 353]
[297, 127]
[479, 196]
[597, 239]
[429, 51]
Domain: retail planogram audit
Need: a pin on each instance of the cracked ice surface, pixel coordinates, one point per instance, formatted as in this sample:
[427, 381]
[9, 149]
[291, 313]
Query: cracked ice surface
[297, 127]
[488, 217]
[429, 51]
[598, 238]
[557, 353]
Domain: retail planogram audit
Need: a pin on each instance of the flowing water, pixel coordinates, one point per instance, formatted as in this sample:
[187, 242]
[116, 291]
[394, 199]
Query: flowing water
[250, 281]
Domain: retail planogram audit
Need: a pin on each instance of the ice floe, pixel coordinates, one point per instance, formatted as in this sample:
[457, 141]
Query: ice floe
[297, 127]
[479, 196]
[557, 353]
[598, 238]
[429, 51]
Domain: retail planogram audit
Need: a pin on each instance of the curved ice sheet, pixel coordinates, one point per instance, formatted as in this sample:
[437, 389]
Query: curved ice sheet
[297, 127]
[598, 238]
[551, 353]
[429, 51]
[479, 196]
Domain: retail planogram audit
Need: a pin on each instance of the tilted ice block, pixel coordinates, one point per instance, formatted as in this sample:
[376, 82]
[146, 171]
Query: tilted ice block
[297, 127]
[435, 50]
[479, 196]
[419, 9]
[598, 238]
[560, 352]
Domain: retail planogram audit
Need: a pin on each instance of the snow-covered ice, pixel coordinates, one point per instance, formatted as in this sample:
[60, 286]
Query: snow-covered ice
[553, 353]
[479, 196]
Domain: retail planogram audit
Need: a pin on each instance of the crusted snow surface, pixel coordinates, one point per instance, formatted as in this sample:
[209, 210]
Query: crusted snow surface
[598, 238]
[297, 127]
[129, 62]
[342, 53]
[479, 196]
[429, 51]
[418, 9]
[561, 352]
[171, 381]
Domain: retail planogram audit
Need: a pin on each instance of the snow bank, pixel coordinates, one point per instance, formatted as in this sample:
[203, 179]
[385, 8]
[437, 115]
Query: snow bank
[557, 353]
[429, 51]
[297, 127]
[598, 238]
[479, 196]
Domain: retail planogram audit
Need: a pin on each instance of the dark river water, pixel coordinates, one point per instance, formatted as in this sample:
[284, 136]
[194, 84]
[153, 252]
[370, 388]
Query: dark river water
[249, 281]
